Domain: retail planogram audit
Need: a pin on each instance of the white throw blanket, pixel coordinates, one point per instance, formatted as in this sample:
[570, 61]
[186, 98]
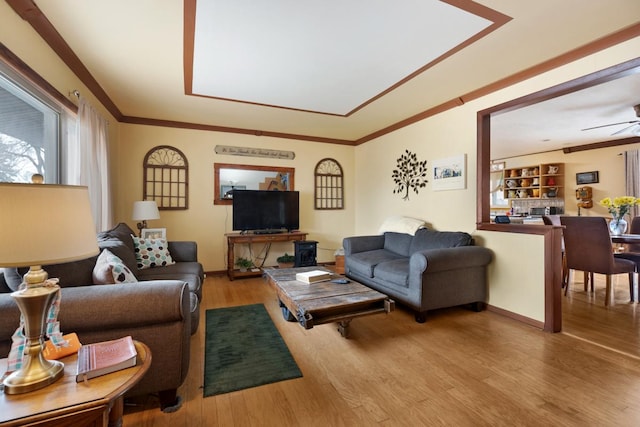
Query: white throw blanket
[401, 224]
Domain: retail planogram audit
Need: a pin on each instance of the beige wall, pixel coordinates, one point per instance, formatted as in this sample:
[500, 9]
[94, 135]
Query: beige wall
[205, 222]
[517, 273]
[19, 37]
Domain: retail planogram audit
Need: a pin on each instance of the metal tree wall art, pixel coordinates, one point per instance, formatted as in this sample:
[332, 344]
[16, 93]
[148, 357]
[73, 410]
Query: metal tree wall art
[411, 174]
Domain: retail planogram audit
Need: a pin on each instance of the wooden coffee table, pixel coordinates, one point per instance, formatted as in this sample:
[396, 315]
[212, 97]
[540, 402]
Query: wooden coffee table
[324, 302]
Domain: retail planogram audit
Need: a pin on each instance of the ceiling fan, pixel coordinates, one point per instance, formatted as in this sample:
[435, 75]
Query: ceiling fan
[634, 125]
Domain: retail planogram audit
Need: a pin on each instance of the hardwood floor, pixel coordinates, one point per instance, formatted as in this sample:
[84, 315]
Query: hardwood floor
[459, 368]
[585, 316]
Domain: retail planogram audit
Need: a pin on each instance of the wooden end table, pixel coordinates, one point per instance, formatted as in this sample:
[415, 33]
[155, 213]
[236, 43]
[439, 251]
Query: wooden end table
[99, 402]
[324, 302]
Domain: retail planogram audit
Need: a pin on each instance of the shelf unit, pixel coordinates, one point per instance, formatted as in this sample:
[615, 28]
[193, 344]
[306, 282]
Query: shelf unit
[534, 182]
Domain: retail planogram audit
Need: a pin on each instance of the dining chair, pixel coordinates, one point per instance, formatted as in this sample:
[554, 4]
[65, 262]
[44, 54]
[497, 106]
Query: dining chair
[634, 228]
[555, 220]
[632, 251]
[588, 249]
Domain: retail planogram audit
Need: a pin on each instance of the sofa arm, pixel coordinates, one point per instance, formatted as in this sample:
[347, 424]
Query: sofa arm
[353, 245]
[121, 307]
[183, 251]
[444, 259]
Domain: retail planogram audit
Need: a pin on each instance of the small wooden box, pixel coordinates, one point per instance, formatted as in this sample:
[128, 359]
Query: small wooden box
[340, 264]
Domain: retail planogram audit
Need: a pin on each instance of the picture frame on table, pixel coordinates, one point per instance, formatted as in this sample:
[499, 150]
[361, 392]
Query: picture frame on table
[154, 233]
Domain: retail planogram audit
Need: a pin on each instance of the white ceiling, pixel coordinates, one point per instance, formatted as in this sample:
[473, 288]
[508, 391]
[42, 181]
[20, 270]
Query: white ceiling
[332, 57]
[559, 122]
[327, 57]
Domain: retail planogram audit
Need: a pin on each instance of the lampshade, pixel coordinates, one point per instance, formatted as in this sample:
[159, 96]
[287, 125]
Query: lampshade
[45, 224]
[41, 224]
[143, 210]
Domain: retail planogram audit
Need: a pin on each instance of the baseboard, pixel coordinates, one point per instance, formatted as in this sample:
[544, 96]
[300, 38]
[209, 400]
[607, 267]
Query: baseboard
[515, 316]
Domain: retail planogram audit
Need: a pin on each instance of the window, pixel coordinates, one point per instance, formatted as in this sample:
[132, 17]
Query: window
[29, 131]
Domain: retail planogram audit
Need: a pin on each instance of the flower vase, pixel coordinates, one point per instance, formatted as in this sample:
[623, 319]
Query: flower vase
[617, 227]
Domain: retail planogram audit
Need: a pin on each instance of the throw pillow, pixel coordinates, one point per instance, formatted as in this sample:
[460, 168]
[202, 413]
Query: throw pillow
[110, 269]
[151, 252]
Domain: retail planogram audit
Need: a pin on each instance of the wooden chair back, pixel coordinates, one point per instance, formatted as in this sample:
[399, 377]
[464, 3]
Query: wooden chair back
[587, 244]
[634, 229]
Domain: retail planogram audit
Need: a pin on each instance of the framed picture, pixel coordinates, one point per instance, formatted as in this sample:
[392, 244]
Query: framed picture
[154, 233]
[450, 173]
[587, 177]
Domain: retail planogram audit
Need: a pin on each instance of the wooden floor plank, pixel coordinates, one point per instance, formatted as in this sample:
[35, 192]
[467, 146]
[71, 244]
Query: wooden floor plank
[459, 368]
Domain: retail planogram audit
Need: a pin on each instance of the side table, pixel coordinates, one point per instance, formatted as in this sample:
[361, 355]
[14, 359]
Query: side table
[99, 402]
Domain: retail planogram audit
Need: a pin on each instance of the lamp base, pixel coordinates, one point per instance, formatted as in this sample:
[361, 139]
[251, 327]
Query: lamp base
[141, 225]
[33, 377]
[36, 371]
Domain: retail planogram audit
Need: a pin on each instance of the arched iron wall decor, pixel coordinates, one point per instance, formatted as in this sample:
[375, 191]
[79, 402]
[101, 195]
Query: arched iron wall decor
[166, 178]
[329, 185]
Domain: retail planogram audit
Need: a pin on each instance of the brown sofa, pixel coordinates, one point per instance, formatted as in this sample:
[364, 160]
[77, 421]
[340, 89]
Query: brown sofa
[160, 310]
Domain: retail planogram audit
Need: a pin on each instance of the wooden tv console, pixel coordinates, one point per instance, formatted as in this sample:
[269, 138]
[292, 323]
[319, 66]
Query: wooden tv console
[249, 238]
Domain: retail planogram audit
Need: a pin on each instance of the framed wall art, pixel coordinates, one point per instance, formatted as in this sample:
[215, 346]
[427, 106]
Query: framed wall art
[587, 178]
[450, 173]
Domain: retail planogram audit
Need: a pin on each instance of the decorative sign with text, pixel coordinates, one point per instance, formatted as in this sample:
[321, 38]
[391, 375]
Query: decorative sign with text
[255, 152]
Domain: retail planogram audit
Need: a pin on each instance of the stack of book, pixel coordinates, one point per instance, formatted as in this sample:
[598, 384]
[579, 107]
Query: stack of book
[313, 276]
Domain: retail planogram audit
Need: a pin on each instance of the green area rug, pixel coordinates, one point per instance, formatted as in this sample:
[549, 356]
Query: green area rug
[244, 349]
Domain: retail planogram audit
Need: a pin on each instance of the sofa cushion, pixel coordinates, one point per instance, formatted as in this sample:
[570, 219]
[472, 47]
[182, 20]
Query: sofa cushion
[4, 288]
[110, 269]
[398, 243]
[151, 252]
[364, 263]
[396, 272]
[121, 250]
[120, 232]
[431, 239]
[118, 241]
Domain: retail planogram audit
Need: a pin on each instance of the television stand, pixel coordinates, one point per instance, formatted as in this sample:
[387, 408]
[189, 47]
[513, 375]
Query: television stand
[269, 231]
[240, 238]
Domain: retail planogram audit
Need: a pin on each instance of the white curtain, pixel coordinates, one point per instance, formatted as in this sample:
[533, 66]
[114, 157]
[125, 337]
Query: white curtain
[88, 162]
[632, 174]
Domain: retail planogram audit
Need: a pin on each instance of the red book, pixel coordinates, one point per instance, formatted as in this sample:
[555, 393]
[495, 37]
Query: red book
[105, 357]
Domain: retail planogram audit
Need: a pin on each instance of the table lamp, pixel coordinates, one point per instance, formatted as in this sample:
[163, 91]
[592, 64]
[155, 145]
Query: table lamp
[39, 225]
[144, 210]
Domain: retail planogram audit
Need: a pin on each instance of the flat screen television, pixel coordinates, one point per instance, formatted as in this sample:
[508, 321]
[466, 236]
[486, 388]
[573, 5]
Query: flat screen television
[266, 211]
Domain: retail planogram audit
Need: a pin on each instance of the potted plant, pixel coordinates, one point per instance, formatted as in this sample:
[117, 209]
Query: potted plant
[243, 264]
[286, 260]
